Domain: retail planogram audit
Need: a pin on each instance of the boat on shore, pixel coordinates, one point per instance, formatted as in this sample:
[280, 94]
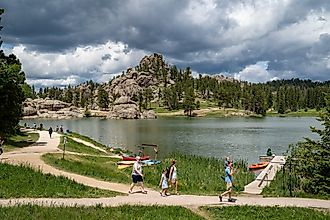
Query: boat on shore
[150, 162]
[260, 165]
[126, 162]
[131, 158]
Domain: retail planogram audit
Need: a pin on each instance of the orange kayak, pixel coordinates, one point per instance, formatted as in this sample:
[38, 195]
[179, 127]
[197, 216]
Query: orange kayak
[258, 165]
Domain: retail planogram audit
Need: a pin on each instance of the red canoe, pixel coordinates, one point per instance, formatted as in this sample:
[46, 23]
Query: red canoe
[258, 165]
[133, 158]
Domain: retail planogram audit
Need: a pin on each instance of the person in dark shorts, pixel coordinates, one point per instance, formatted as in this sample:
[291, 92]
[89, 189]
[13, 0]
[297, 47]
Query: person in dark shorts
[137, 176]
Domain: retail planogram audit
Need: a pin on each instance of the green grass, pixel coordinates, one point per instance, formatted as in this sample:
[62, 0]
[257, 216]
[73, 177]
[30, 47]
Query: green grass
[263, 213]
[284, 181]
[77, 147]
[159, 213]
[197, 175]
[98, 212]
[88, 139]
[20, 140]
[299, 113]
[22, 181]
[97, 167]
[92, 141]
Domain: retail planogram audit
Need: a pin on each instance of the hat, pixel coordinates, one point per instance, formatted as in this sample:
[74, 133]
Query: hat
[138, 158]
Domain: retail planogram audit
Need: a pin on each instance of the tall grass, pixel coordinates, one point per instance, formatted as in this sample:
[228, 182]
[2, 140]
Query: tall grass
[23, 181]
[263, 213]
[288, 184]
[200, 175]
[196, 175]
[97, 212]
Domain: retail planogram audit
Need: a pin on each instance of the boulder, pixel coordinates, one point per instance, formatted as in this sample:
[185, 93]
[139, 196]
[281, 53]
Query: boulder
[29, 111]
[148, 114]
[124, 111]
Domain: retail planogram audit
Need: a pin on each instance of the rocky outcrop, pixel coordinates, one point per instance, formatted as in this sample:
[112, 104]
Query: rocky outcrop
[47, 108]
[126, 88]
[148, 115]
[124, 111]
[125, 108]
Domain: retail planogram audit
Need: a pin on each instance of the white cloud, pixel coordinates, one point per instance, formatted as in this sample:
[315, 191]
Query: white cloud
[99, 63]
[255, 73]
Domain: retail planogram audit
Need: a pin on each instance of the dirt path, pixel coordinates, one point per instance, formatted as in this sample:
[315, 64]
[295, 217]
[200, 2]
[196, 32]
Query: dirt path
[32, 156]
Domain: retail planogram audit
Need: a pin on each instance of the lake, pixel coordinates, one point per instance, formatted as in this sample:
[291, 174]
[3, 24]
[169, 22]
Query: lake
[238, 138]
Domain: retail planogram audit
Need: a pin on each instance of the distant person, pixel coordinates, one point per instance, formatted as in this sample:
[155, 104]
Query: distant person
[25, 125]
[156, 152]
[163, 183]
[2, 141]
[57, 128]
[50, 131]
[41, 126]
[61, 129]
[173, 176]
[229, 182]
[141, 151]
[137, 175]
[35, 126]
[269, 152]
[226, 162]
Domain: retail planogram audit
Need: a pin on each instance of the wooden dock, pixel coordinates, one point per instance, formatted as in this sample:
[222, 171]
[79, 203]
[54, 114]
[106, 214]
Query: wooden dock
[266, 176]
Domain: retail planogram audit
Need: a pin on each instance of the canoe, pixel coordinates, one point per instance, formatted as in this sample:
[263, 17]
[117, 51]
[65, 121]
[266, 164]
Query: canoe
[123, 166]
[258, 165]
[151, 162]
[134, 159]
[126, 162]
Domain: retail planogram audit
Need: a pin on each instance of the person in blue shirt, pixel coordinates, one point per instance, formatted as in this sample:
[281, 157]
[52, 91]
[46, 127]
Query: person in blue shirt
[229, 182]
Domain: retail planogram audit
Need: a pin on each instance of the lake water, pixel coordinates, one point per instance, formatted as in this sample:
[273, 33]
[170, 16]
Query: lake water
[238, 138]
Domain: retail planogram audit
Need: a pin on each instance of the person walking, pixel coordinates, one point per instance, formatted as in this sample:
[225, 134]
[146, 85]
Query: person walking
[226, 162]
[229, 182]
[2, 141]
[50, 131]
[173, 176]
[163, 183]
[137, 176]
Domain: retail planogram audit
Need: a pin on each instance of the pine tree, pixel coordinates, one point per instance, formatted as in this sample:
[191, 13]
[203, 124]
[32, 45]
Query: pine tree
[103, 98]
[312, 157]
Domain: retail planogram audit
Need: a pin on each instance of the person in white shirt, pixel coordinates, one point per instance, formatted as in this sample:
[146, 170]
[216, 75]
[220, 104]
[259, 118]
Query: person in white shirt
[137, 176]
[173, 177]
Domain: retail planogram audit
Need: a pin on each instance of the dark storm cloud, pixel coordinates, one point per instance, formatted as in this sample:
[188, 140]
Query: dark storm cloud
[211, 36]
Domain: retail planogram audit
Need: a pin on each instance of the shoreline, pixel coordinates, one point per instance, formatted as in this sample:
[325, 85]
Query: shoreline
[212, 112]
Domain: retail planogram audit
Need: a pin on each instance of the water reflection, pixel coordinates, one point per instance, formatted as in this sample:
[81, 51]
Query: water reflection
[238, 138]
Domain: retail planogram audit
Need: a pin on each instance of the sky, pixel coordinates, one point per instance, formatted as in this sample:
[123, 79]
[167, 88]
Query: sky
[62, 42]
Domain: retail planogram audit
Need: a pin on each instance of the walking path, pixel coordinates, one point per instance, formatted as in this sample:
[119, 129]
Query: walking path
[32, 156]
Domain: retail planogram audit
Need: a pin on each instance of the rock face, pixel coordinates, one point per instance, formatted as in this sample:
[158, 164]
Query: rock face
[47, 108]
[126, 88]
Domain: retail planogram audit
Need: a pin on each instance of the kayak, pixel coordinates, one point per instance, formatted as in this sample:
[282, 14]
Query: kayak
[134, 159]
[123, 166]
[126, 162]
[151, 162]
[258, 165]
